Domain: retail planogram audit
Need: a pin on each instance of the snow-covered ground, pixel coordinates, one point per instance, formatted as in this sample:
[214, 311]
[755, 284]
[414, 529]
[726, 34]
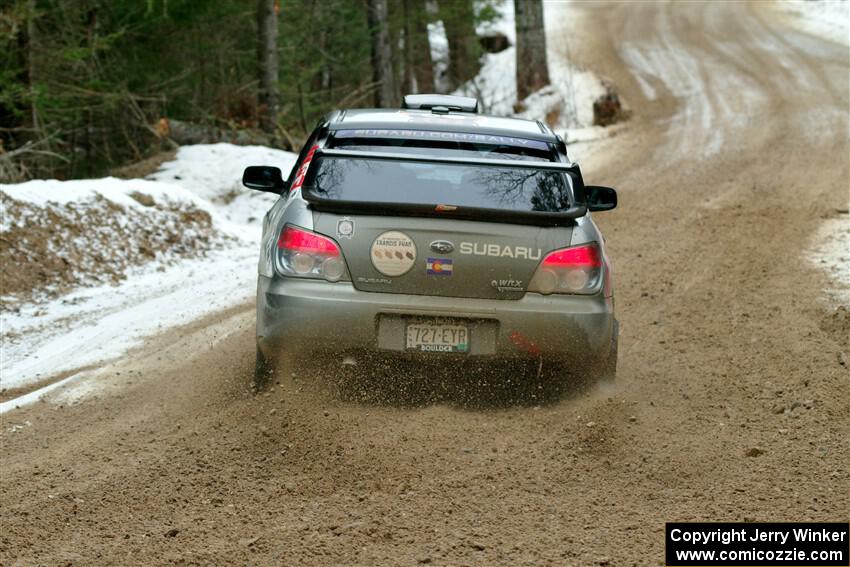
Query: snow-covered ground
[824, 18]
[91, 324]
[213, 172]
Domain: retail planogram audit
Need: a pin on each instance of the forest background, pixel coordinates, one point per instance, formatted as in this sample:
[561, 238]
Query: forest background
[89, 86]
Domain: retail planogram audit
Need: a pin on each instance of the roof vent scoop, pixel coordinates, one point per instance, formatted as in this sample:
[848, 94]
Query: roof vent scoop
[441, 104]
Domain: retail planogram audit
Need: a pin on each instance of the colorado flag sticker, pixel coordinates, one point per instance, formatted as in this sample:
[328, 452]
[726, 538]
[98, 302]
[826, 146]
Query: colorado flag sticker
[439, 267]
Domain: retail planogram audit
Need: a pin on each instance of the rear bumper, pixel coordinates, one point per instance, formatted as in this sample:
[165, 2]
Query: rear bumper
[310, 314]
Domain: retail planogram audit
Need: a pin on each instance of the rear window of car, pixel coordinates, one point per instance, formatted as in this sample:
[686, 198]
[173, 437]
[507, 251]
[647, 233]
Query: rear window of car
[441, 143]
[385, 181]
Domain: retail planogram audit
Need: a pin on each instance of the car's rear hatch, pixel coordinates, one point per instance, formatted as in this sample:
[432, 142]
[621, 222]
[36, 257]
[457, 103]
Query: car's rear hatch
[443, 257]
[441, 226]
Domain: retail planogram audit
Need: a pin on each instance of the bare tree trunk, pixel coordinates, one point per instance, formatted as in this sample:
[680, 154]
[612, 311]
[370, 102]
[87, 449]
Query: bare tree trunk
[382, 66]
[419, 66]
[396, 34]
[30, 67]
[268, 96]
[408, 76]
[459, 20]
[532, 74]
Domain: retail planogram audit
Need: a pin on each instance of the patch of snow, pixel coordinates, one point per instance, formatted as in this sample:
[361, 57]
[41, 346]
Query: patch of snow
[47, 193]
[829, 19]
[830, 252]
[15, 427]
[41, 192]
[34, 396]
[578, 87]
[213, 172]
[94, 382]
[815, 120]
[495, 84]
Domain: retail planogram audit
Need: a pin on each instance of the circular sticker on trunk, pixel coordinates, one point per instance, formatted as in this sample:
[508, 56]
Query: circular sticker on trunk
[393, 253]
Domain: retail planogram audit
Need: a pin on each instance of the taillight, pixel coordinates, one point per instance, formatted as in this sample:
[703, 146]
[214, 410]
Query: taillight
[305, 254]
[569, 270]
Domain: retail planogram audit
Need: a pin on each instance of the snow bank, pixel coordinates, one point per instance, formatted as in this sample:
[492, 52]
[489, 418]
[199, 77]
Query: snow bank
[213, 172]
[58, 234]
[824, 18]
[42, 192]
[566, 104]
[830, 252]
[179, 245]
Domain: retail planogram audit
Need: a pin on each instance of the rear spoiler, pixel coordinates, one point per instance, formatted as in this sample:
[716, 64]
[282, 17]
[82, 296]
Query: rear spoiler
[576, 210]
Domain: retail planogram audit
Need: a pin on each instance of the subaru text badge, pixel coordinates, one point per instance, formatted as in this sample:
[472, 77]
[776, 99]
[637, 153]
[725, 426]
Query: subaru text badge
[442, 246]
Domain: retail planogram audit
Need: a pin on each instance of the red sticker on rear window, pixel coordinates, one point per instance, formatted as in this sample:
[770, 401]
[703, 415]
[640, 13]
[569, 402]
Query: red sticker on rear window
[302, 171]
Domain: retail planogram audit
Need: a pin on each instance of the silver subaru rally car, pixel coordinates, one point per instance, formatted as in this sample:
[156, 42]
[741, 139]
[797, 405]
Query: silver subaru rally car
[434, 231]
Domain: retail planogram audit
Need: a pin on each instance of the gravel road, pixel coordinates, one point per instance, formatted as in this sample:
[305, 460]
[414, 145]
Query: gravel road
[733, 402]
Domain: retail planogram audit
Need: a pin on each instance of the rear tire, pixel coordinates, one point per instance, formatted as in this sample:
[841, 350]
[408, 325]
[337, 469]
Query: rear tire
[264, 370]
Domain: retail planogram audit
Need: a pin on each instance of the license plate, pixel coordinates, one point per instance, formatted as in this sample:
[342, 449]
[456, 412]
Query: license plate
[433, 337]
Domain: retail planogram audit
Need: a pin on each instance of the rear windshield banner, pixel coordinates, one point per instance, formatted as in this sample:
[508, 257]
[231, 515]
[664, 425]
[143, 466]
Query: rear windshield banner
[445, 136]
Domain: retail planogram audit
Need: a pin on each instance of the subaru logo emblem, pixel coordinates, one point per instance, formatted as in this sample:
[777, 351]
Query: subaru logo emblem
[442, 246]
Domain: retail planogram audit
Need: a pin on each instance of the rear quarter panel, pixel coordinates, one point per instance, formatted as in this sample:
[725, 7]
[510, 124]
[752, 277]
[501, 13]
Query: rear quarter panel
[288, 209]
